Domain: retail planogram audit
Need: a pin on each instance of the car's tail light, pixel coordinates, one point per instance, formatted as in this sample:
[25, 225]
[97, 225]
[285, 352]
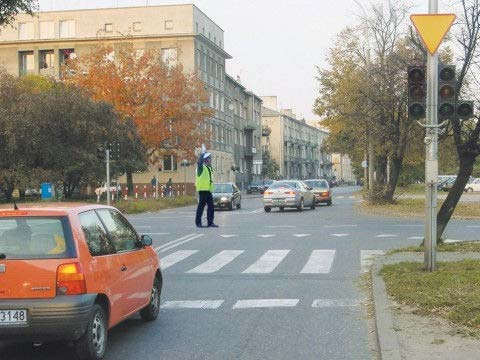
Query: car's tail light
[70, 279]
[268, 193]
[290, 192]
[326, 193]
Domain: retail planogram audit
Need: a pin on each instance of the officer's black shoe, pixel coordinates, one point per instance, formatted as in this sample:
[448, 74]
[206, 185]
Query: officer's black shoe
[213, 225]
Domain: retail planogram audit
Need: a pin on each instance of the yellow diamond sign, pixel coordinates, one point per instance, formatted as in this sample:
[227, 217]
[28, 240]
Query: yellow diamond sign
[432, 28]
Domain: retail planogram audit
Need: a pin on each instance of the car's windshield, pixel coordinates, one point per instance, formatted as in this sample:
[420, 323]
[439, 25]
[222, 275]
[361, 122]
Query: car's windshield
[317, 183]
[256, 183]
[32, 238]
[222, 188]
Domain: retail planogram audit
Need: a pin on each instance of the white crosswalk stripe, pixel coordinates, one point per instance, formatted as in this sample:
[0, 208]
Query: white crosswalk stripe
[192, 304]
[267, 262]
[265, 303]
[301, 235]
[339, 235]
[415, 238]
[320, 262]
[228, 236]
[267, 236]
[176, 257]
[216, 262]
[386, 236]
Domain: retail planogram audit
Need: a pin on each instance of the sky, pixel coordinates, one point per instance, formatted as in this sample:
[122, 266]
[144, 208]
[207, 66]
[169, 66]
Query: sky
[276, 44]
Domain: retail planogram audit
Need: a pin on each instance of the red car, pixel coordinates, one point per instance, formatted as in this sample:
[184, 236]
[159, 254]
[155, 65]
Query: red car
[71, 273]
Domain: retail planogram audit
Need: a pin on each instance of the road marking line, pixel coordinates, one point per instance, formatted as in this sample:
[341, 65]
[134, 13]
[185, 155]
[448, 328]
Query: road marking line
[228, 236]
[320, 262]
[142, 226]
[351, 197]
[415, 238]
[156, 233]
[216, 262]
[301, 235]
[473, 226]
[335, 226]
[175, 257]
[192, 304]
[267, 262]
[367, 257]
[411, 225]
[265, 303]
[323, 303]
[339, 235]
[178, 243]
[256, 211]
[281, 226]
[385, 235]
[339, 197]
[267, 235]
[173, 242]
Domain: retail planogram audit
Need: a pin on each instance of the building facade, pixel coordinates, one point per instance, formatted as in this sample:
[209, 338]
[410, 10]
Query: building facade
[183, 33]
[293, 144]
[342, 168]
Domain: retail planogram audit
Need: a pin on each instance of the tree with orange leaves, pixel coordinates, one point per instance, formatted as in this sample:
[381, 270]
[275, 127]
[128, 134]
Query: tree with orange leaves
[167, 105]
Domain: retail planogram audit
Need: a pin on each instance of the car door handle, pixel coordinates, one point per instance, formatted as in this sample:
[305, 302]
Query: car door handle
[124, 268]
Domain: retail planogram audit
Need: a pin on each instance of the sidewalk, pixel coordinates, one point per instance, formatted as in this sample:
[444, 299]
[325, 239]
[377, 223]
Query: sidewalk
[403, 335]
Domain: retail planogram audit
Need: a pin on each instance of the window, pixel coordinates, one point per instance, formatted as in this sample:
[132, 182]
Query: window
[198, 59]
[95, 234]
[168, 24]
[196, 27]
[34, 238]
[123, 237]
[66, 54]
[137, 26]
[211, 99]
[169, 57]
[205, 62]
[217, 101]
[47, 29]
[47, 59]
[67, 28]
[26, 63]
[169, 163]
[108, 27]
[222, 103]
[215, 40]
[25, 30]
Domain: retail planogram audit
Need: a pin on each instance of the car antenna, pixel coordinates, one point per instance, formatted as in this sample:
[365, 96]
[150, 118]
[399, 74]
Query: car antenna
[15, 207]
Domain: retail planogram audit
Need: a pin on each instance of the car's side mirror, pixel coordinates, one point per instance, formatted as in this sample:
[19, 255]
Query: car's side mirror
[146, 240]
[309, 188]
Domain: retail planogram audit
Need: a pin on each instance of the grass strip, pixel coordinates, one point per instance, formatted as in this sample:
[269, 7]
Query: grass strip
[135, 207]
[467, 246]
[452, 292]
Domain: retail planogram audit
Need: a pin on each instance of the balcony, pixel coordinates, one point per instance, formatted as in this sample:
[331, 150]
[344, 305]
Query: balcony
[266, 131]
[250, 125]
[250, 151]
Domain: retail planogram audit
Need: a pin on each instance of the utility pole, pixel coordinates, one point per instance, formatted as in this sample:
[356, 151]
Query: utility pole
[431, 158]
[107, 161]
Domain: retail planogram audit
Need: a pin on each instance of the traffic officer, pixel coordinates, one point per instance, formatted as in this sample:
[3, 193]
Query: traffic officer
[204, 186]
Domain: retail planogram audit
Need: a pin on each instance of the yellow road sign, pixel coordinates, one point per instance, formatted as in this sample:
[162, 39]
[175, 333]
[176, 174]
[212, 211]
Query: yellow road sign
[432, 28]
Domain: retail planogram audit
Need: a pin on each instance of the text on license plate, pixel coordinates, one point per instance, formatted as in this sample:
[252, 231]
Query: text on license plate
[278, 201]
[13, 317]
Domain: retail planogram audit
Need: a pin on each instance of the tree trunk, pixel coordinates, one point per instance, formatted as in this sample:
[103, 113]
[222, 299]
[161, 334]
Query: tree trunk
[130, 182]
[396, 167]
[445, 213]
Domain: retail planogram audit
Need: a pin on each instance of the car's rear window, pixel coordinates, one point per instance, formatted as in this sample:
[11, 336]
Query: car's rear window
[317, 183]
[35, 238]
[281, 184]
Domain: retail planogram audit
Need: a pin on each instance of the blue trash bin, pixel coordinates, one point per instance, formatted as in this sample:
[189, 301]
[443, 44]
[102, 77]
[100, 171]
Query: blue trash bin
[46, 191]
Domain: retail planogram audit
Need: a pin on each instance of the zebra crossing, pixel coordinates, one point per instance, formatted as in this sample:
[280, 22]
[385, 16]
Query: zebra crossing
[319, 261]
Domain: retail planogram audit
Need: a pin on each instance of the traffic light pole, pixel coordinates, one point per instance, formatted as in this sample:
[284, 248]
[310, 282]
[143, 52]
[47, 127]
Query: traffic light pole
[107, 161]
[431, 158]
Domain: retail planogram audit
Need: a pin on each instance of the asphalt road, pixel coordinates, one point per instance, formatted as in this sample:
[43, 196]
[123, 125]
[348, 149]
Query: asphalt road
[262, 286]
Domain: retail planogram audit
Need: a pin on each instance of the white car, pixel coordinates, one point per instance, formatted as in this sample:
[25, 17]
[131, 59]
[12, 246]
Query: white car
[473, 185]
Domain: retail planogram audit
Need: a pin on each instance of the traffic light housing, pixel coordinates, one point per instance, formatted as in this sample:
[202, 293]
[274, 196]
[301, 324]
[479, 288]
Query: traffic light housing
[417, 91]
[464, 109]
[101, 153]
[446, 92]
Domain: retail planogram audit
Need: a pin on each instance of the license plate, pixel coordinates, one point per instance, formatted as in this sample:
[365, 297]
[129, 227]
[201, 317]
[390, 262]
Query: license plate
[13, 317]
[278, 201]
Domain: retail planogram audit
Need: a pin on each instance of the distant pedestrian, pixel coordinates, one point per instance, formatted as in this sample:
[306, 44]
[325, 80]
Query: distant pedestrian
[204, 186]
[170, 187]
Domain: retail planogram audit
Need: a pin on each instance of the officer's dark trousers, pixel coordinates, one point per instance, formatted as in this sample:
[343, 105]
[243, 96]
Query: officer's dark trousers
[204, 198]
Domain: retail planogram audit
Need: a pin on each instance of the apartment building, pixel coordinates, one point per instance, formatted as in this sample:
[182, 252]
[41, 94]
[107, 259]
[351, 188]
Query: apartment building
[245, 116]
[342, 168]
[183, 33]
[295, 145]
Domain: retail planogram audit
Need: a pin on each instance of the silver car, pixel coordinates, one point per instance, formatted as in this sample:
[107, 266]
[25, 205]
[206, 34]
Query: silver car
[288, 194]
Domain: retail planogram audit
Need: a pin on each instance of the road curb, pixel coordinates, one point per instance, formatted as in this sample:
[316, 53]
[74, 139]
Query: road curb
[387, 340]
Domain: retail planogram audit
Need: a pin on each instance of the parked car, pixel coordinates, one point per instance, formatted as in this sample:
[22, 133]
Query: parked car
[32, 192]
[322, 191]
[288, 194]
[71, 273]
[473, 185]
[447, 185]
[226, 195]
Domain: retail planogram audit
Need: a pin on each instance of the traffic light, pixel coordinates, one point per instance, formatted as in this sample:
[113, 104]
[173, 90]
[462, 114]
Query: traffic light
[416, 91]
[446, 92]
[464, 109]
[101, 153]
